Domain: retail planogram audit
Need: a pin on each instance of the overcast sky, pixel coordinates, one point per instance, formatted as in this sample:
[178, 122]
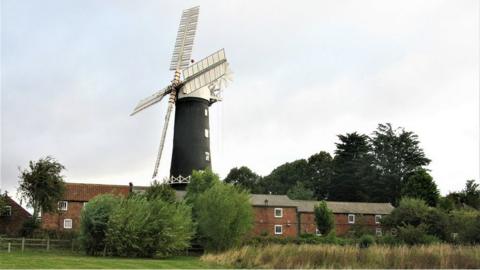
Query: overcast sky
[304, 72]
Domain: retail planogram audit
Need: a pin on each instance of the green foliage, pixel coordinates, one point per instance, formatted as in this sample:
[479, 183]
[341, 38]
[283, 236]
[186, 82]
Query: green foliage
[300, 192]
[366, 240]
[200, 181]
[465, 224]
[397, 153]
[472, 194]
[157, 190]
[438, 224]
[410, 211]
[94, 222]
[414, 235]
[224, 216]
[141, 228]
[41, 185]
[306, 238]
[324, 218]
[29, 226]
[360, 227]
[319, 174]
[244, 177]
[419, 184]
[285, 176]
[352, 170]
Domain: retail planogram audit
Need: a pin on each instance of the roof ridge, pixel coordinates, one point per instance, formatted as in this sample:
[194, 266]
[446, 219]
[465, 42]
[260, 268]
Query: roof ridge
[95, 184]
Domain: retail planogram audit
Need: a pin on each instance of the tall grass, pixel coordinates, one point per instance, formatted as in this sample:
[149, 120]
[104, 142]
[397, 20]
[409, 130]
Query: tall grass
[332, 256]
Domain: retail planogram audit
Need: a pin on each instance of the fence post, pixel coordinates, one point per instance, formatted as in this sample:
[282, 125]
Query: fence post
[48, 243]
[23, 244]
[9, 247]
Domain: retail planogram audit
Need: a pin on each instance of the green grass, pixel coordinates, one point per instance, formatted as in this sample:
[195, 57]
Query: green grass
[62, 260]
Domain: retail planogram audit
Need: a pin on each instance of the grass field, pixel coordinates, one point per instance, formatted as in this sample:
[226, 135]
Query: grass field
[329, 256]
[59, 260]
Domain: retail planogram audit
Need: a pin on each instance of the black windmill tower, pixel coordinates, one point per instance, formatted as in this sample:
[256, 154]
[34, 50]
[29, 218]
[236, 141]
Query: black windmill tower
[194, 88]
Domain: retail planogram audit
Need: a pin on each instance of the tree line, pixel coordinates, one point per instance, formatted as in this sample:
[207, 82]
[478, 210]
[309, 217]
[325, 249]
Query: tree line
[383, 167]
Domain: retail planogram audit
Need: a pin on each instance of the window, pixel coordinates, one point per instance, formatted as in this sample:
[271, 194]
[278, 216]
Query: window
[378, 231]
[206, 112]
[351, 218]
[67, 223]
[6, 211]
[317, 231]
[206, 133]
[63, 205]
[377, 219]
[278, 212]
[278, 229]
[207, 156]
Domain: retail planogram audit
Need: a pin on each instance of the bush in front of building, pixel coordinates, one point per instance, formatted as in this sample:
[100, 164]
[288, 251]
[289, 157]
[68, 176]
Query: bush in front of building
[144, 228]
[324, 218]
[94, 222]
[224, 216]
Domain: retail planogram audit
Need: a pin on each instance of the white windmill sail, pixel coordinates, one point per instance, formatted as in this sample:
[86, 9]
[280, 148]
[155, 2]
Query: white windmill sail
[205, 71]
[185, 37]
[151, 100]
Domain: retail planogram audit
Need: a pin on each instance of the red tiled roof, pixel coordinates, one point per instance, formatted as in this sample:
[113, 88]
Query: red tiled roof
[85, 192]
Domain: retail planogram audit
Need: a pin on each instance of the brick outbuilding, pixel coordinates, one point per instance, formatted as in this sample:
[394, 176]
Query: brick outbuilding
[69, 208]
[12, 217]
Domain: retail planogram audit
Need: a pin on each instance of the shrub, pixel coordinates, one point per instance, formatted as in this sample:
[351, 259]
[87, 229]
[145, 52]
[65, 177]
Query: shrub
[141, 228]
[410, 211]
[224, 216]
[324, 218]
[366, 240]
[94, 222]
[412, 235]
[157, 190]
[29, 226]
[465, 224]
[200, 181]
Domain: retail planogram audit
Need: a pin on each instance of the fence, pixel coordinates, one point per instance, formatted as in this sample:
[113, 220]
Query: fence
[22, 244]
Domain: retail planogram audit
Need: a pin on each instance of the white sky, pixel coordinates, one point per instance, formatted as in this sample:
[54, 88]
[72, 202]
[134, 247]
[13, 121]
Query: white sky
[305, 71]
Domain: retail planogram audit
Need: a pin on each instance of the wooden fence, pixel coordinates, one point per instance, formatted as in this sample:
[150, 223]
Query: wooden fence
[22, 244]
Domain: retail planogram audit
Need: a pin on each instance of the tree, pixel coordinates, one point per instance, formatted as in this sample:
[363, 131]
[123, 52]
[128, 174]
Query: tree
[300, 192]
[285, 176]
[244, 177]
[471, 194]
[396, 154]
[410, 211]
[138, 227]
[324, 218]
[94, 222]
[351, 168]
[157, 190]
[419, 184]
[320, 170]
[41, 185]
[200, 181]
[224, 216]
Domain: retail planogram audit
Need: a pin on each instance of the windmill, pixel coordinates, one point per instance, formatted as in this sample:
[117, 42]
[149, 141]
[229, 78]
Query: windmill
[193, 89]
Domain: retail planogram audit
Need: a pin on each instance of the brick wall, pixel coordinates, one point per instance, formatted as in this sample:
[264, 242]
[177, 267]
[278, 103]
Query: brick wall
[11, 225]
[342, 227]
[265, 221]
[55, 221]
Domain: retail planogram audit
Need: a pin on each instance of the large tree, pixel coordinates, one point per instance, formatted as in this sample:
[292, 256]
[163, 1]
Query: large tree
[285, 176]
[300, 192]
[351, 168]
[420, 184]
[320, 170]
[245, 178]
[42, 185]
[397, 153]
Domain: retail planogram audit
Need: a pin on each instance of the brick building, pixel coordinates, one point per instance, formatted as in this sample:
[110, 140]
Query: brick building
[76, 195]
[275, 215]
[278, 215]
[12, 217]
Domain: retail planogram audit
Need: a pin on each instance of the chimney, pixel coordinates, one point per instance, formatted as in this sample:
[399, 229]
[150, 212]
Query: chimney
[130, 187]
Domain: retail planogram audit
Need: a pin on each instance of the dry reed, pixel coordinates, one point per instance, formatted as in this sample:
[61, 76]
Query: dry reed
[332, 256]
